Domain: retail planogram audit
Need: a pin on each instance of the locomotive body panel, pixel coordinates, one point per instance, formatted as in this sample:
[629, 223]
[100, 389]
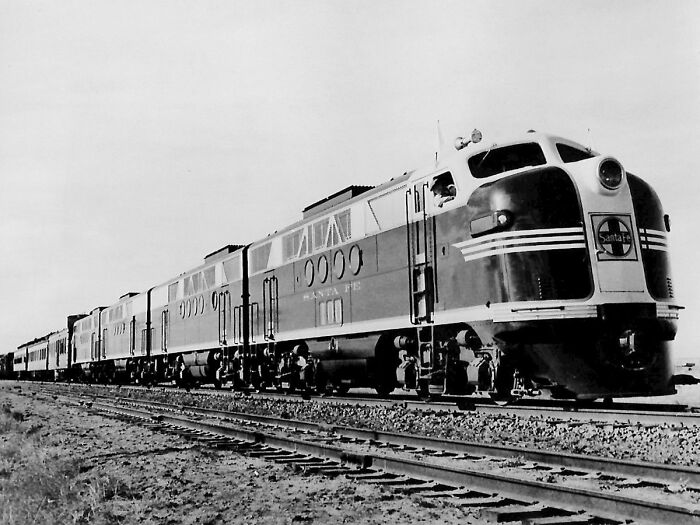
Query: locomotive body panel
[653, 228]
[58, 350]
[86, 339]
[194, 312]
[38, 356]
[116, 328]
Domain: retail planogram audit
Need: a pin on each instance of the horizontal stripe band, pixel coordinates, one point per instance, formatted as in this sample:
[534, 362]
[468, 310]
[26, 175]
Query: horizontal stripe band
[519, 234]
[656, 233]
[533, 241]
[519, 249]
[652, 242]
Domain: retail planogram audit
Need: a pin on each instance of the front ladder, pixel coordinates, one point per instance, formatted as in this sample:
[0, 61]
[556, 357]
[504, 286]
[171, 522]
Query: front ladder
[421, 254]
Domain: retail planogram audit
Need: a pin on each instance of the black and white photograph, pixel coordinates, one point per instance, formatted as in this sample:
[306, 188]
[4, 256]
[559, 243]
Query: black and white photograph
[347, 261]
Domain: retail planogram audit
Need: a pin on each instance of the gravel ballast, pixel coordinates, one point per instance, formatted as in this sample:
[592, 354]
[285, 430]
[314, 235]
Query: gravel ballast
[62, 464]
[658, 444]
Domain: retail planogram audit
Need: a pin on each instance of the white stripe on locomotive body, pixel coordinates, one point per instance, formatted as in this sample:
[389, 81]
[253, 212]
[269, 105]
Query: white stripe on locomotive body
[198, 346]
[657, 247]
[523, 249]
[653, 239]
[496, 313]
[519, 233]
[522, 241]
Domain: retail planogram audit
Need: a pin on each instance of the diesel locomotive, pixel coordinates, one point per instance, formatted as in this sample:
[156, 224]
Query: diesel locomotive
[530, 266]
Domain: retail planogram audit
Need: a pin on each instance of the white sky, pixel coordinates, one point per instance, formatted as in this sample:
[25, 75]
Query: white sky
[138, 136]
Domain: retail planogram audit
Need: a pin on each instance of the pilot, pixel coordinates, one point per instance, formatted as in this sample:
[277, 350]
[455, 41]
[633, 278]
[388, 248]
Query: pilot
[443, 191]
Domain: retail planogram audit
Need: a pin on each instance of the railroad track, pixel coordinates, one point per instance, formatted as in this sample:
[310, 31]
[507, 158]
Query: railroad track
[563, 411]
[446, 469]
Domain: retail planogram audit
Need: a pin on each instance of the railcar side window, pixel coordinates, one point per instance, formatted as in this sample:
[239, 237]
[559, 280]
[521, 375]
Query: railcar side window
[259, 257]
[342, 221]
[506, 158]
[386, 208]
[172, 292]
[209, 277]
[443, 189]
[291, 244]
[233, 270]
[571, 154]
[320, 233]
[189, 289]
[197, 282]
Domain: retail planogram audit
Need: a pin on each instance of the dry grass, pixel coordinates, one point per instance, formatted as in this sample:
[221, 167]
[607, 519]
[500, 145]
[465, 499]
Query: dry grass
[39, 484]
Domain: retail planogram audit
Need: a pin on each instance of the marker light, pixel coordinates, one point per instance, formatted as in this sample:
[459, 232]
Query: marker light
[461, 142]
[610, 174]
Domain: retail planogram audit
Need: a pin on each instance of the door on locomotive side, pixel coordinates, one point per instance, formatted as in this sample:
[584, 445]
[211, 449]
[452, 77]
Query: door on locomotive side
[227, 301]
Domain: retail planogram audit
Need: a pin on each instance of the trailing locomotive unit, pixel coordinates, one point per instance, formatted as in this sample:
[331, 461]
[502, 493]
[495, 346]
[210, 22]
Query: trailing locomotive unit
[504, 269]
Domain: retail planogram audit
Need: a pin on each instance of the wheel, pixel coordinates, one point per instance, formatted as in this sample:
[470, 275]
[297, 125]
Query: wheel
[502, 399]
[423, 391]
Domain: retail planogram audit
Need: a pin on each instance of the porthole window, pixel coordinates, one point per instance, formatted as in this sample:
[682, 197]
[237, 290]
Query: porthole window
[339, 264]
[188, 308]
[323, 269]
[355, 259]
[182, 310]
[201, 304]
[309, 272]
[214, 300]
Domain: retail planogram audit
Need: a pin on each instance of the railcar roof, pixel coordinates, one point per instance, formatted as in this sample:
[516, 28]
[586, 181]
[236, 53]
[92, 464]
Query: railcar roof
[395, 181]
[36, 341]
[530, 136]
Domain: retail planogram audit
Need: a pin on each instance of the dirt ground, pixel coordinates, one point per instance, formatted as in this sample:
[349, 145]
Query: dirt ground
[63, 464]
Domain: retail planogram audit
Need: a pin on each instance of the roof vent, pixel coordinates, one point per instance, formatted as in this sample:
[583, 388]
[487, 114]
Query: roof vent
[222, 252]
[334, 200]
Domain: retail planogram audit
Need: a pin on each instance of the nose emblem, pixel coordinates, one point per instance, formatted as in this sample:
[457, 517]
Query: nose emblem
[614, 237]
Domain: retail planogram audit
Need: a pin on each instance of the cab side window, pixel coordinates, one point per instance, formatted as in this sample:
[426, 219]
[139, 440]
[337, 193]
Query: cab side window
[443, 189]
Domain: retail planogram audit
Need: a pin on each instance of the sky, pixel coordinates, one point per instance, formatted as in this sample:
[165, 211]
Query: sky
[138, 136]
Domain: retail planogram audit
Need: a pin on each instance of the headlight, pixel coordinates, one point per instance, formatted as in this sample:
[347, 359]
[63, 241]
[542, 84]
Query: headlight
[610, 174]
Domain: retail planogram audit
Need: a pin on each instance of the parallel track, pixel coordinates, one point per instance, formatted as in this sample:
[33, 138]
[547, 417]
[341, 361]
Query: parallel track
[620, 413]
[507, 497]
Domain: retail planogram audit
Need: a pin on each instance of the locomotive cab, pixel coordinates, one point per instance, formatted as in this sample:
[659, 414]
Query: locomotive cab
[555, 259]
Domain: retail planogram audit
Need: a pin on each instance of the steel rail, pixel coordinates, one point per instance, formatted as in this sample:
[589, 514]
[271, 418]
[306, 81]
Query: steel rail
[629, 413]
[619, 413]
[551, 494]
[637, 469]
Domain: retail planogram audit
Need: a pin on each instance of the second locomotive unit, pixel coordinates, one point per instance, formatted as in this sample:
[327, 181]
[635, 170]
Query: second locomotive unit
[505, 269]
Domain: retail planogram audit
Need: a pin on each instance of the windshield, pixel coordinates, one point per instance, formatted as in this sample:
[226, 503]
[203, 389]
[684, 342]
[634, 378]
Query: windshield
[571, 154]
[506, 158]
